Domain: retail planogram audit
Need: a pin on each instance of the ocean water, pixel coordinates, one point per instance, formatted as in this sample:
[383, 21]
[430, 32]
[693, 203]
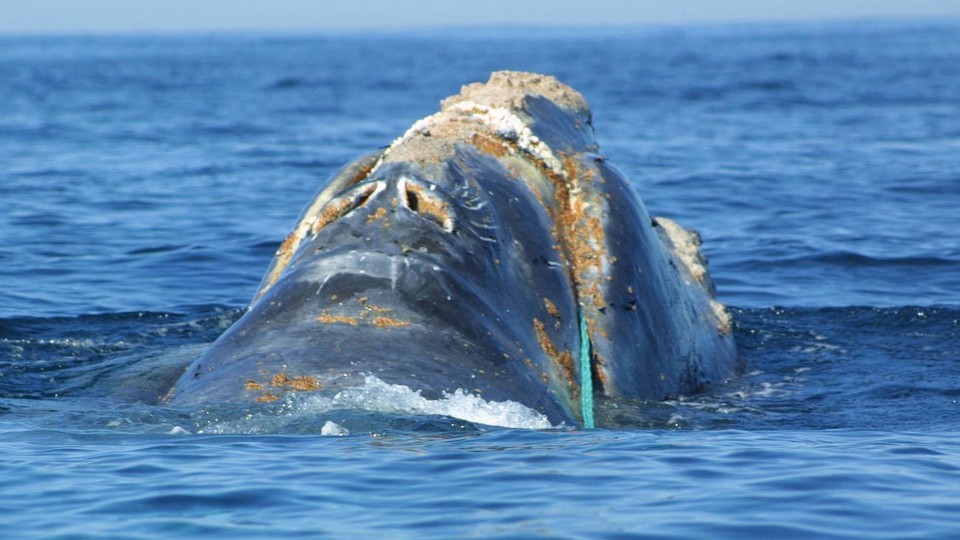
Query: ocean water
[145, 182]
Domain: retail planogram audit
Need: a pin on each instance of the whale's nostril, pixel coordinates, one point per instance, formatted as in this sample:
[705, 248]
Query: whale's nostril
[363, 197]
[342, 206]
[429, 205]
[415, 196]
[413, 202]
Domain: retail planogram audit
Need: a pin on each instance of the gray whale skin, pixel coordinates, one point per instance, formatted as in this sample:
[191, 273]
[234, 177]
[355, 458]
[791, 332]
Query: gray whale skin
[463, 256]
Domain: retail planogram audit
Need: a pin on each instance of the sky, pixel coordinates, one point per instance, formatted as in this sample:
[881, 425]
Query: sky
[125, 16]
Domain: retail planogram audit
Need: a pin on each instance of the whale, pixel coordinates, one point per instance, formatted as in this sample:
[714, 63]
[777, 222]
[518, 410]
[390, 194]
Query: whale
[491, 249]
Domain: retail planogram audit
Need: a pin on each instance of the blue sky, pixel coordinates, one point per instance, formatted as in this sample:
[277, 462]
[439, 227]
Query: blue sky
[70, 16]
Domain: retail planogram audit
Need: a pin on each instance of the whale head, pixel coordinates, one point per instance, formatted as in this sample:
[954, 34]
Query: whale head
[473, 254]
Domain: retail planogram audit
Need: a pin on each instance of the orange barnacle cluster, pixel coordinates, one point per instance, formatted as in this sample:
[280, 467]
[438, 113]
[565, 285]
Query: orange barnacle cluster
[489, 144]
[301, 383]
[563, 359]
[584, 233]
[367, 314]
[327, 318]
[284, 254]
[551, 308]
[388, 322]
[380, 213]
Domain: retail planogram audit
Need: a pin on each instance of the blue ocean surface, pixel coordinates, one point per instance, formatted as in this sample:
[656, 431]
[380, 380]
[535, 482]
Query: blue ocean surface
[146, 181]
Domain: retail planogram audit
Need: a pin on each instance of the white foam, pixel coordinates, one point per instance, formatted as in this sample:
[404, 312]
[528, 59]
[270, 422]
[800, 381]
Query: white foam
[376, 395]
[333, 429]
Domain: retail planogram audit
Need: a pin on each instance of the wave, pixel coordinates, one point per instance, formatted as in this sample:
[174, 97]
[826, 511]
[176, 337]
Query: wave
[855, 259]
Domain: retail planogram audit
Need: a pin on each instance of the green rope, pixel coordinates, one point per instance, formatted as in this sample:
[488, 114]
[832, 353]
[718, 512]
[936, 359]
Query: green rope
[586, 376]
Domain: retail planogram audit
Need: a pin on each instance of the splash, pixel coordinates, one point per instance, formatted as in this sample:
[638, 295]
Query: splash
[333, 429]
[376, 395]
[297, 411]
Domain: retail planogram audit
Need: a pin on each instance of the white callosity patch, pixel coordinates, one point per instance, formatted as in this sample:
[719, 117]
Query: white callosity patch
[512, 128]
[502, 122]
[684, 247]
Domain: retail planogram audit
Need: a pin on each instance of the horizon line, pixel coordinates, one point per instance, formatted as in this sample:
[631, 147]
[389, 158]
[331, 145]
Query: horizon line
[473, 27]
